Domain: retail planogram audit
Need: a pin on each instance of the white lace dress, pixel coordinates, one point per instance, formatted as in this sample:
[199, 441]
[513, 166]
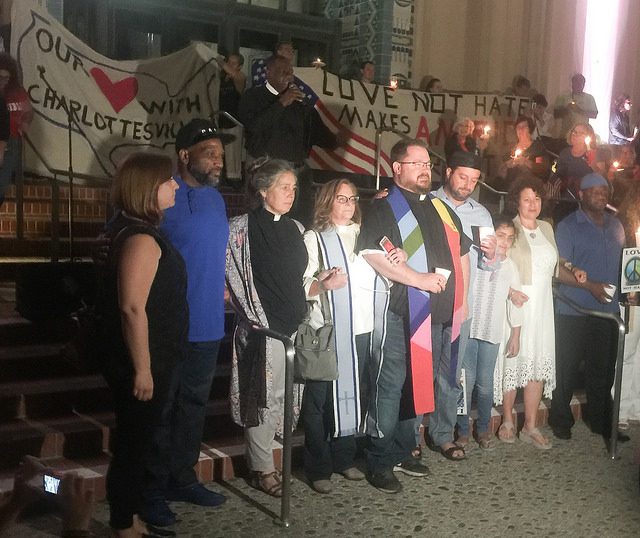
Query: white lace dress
[537, 358]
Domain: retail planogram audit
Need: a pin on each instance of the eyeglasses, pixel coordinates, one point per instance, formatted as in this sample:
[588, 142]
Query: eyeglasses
[422, 164]
[342, 199]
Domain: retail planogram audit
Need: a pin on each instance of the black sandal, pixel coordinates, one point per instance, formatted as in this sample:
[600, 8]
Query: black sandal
[449, 453]
[269, 483]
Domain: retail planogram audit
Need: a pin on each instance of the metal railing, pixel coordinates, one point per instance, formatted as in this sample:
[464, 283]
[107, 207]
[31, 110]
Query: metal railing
[287, 428]
[617, 386]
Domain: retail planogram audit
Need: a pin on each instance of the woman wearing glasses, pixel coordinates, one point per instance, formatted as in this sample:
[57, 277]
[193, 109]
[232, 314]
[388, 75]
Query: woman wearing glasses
[332, 410]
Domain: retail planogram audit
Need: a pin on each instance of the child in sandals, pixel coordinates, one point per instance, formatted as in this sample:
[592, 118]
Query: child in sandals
[491, 309]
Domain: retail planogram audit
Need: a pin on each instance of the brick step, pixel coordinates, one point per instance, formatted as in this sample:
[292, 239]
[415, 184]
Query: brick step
[30, 362]
[223, 457]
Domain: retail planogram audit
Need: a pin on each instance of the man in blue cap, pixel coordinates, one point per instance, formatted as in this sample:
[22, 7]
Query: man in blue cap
[589, 239]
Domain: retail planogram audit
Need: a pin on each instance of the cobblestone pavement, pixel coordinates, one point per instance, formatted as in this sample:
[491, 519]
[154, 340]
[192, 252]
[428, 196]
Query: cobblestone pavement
[575, 489]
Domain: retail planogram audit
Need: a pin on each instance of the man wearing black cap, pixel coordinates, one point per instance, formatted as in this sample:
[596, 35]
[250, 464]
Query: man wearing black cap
[590, 239]
[462, 176]
[197, 226]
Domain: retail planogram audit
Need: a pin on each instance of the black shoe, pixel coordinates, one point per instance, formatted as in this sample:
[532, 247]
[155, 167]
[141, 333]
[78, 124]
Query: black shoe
[385, 481]
[196, 494]
[412, 467]
[561, 432]
[156, 512]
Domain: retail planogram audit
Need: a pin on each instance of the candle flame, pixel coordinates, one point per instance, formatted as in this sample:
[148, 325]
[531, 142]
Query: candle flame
[487, 128]
[587, 141]
[616, 164]
[517, 153]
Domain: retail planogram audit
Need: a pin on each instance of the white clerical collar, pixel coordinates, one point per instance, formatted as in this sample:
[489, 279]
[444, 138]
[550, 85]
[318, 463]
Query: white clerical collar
[423, 197]
[272, 89]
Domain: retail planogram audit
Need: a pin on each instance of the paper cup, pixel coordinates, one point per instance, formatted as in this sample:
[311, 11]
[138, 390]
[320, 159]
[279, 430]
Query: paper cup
[444, 272]
[610, 290]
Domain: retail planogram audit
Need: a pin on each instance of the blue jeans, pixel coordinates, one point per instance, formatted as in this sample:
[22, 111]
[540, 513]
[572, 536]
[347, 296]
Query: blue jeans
[479, 362]
[178, 439]
[443, 419]
[398, 435]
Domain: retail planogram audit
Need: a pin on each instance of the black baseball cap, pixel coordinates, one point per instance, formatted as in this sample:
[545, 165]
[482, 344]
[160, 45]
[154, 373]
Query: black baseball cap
[197, 130]
[468, 159]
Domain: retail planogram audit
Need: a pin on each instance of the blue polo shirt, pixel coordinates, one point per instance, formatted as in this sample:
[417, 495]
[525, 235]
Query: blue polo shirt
[595, 249]
[197, 226]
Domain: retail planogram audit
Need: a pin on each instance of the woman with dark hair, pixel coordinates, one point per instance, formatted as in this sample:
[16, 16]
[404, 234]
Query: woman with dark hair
[20, 115]
[619, 129]
[332, 410]
[266, 260]
[461, 139]
[535, 254]
[144, 307]
[434, 86]
[526, 155]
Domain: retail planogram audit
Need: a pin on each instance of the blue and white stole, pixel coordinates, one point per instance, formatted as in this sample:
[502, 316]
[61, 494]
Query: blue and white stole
[346, 389]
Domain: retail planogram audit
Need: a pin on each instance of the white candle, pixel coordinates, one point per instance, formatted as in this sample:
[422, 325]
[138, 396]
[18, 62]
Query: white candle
[486, 130]
[587, 141]
[517, 153]
[393, 83]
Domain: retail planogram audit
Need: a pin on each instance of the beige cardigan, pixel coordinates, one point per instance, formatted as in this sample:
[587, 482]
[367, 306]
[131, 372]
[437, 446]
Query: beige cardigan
[520, 252]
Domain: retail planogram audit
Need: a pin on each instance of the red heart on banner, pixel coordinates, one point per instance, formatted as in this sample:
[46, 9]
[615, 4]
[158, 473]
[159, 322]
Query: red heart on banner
[120, 93]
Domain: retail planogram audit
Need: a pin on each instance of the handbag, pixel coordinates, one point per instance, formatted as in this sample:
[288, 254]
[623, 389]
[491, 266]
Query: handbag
[316, 358]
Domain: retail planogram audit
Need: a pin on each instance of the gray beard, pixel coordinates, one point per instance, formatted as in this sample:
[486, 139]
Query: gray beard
[202, 178]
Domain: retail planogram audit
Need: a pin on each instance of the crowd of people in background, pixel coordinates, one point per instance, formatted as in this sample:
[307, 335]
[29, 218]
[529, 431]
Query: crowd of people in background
[432, 297]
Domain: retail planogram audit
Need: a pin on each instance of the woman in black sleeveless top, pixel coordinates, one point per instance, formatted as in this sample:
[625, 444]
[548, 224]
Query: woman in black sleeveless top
[146, 323]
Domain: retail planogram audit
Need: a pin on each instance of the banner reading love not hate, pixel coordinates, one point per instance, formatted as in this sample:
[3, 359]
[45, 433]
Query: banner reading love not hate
[117, 106]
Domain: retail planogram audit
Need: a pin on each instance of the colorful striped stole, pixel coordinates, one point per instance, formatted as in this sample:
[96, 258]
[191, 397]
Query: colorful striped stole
[420, 352]
[346, 389]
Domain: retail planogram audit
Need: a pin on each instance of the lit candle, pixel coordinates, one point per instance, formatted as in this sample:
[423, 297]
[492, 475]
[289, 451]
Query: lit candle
[487, 128]
[318, 63]
[393, 83]
[517, 153]
[587, 141]
[638, 237]
[616, 164]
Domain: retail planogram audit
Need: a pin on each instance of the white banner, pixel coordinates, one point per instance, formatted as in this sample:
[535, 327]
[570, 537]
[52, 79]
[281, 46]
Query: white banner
[116, 107]
[363, 108]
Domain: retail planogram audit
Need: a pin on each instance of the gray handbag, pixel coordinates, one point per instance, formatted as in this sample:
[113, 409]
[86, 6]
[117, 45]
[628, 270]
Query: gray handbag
[316, 358]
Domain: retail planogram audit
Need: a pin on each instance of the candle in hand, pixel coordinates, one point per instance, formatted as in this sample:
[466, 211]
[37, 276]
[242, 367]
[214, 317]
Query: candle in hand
[393, 83]
[587, 141]
[486, 130]
[638, 237]
[517, 153]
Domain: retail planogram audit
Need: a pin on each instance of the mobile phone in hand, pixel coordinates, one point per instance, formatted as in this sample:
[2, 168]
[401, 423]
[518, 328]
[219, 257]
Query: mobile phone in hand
[50, 484]
[386, 244]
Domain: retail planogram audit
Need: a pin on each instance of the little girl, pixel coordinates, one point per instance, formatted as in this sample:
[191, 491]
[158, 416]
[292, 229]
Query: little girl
[491, 309]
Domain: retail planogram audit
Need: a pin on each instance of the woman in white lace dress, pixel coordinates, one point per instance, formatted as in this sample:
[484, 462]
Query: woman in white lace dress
[536, 256]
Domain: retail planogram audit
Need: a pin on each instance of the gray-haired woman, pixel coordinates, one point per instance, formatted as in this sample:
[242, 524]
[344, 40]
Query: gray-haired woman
[266, 260]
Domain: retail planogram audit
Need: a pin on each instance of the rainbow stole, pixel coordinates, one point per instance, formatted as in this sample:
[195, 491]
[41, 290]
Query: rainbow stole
[420, 352]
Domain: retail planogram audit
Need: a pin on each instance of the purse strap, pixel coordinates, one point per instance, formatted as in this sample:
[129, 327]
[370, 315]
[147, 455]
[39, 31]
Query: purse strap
[324, 300]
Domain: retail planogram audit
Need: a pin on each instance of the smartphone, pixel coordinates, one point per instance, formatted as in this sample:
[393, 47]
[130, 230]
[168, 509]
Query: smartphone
[386, 244]
[50, 484]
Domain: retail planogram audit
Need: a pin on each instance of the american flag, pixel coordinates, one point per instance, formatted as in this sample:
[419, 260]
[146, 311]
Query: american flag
[358, 156]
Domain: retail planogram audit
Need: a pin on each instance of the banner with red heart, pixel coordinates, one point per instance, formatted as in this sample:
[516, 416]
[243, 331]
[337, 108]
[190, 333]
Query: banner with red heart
[119, 94]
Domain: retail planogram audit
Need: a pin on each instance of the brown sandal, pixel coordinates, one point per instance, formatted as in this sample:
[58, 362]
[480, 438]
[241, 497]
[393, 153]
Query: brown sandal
[269, 483]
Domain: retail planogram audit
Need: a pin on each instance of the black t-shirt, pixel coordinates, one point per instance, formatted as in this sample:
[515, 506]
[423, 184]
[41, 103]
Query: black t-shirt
[278, 262]
[380, 221]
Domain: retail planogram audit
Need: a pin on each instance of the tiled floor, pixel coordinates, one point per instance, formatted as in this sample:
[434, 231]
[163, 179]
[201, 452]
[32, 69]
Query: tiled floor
[573, 490]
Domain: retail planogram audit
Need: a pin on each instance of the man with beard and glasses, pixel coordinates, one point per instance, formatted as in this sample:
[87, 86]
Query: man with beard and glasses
[422, 317]
[197, 226]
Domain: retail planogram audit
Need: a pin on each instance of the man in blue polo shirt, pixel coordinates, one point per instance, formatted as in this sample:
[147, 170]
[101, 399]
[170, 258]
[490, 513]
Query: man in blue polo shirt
[197, 226]
[589, 239]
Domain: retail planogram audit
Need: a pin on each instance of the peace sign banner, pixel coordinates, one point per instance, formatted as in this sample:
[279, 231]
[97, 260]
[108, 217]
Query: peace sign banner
[630, 280]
